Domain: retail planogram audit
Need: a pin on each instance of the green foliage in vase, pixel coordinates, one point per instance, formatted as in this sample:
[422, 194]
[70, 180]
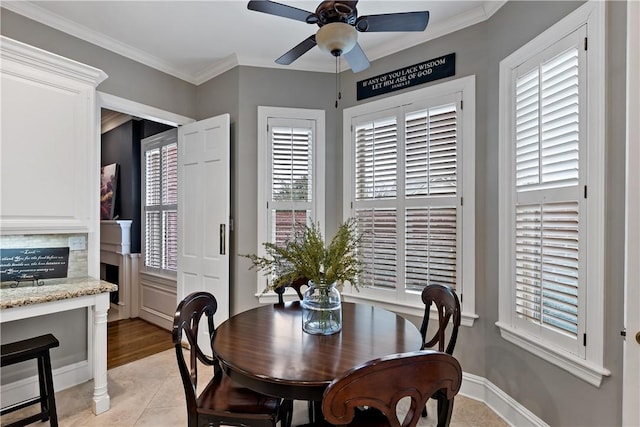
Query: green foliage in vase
[305, 255]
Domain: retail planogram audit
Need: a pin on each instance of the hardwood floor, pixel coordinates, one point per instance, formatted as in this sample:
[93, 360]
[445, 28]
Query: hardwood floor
[132, 339]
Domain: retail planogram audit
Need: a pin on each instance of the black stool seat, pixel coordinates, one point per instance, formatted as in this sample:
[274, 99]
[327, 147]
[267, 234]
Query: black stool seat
[34, 348]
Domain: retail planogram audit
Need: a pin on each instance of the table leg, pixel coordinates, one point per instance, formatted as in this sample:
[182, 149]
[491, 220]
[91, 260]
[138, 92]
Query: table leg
[101, 400]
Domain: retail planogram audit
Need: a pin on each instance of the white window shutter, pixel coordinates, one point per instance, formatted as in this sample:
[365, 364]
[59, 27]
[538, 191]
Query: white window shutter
[161, 198]
[376, 159]
[431, 152]
[379, 248]
[547, 209]
[416, 222]
[291, 185]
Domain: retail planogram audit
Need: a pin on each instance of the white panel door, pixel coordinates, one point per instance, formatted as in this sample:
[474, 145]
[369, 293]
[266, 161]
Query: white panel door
[203, 211]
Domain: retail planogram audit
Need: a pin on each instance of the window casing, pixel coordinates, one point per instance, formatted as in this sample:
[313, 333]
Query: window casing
[551, 195]
[409, 171]
[160, 202]
[290, 174]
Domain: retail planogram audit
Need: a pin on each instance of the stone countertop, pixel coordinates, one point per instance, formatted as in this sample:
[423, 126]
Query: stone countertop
[52, 290]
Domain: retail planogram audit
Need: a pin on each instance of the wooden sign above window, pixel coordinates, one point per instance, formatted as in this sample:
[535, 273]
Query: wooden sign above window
[432, 69]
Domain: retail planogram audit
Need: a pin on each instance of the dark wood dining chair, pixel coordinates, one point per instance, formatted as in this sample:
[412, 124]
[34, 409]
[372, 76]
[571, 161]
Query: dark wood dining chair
[447, 306]
[297, 285]
[222, 401]
[368, 395]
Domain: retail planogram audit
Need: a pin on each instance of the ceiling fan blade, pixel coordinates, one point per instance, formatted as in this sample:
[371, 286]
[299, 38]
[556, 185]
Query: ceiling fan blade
[357, 59]
[403, 21]
[273, 8]
[297, 51]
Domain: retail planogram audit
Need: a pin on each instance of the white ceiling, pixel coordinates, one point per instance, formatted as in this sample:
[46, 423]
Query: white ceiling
[197, 40]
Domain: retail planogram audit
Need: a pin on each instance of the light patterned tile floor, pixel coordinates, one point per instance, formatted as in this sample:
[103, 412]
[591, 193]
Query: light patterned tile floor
[148, 392]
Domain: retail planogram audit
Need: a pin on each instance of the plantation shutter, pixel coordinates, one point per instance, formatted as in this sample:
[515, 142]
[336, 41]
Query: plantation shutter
[161, 198]
[416, 222]
[291, 184]
[170, 207]
[431, 181]
[153, 220]
[376, 156]
[376, 159]
[548, 211]
[379, 247]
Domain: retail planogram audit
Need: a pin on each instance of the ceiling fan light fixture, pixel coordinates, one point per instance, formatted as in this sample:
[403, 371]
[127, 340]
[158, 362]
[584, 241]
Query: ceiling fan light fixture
[336, 38]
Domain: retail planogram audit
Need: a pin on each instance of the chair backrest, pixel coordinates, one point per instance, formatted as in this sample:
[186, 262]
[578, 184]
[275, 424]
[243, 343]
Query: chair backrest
[186, 323]
[382, 383]
[296, 285]
[448, 308]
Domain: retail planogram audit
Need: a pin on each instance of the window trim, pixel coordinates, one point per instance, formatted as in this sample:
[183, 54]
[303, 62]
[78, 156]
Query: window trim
[318, 202]
[465, 86]
[591, 368]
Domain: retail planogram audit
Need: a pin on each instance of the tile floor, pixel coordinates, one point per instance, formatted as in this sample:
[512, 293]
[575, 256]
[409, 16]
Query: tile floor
[148, 392]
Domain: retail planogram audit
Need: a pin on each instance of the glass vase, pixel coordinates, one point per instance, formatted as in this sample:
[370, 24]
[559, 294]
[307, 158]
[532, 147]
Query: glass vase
[321, 309]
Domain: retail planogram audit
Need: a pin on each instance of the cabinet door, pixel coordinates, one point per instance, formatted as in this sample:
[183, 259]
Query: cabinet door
[49, 156]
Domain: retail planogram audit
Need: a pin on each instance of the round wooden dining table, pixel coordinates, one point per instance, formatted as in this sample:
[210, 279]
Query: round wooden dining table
[266, 350]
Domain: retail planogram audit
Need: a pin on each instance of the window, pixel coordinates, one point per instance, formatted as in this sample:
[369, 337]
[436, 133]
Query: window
[290, 173]
[551, 206]
[160, 202]
[409, 173]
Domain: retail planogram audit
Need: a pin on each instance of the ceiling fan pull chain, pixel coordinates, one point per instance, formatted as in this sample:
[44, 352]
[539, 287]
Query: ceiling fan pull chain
[338, 93]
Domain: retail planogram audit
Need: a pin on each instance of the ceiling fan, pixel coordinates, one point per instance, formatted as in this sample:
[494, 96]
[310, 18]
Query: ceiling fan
[339, 24]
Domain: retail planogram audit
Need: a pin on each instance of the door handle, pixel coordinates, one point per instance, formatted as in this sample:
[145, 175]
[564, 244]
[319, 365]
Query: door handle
[222, 239]
[638, 337]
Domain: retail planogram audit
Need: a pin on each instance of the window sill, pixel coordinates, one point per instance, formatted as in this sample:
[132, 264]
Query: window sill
[402, 309]
[467, 319]
[581, 368]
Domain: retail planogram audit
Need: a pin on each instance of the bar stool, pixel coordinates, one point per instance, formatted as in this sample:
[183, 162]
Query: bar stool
[20, 351]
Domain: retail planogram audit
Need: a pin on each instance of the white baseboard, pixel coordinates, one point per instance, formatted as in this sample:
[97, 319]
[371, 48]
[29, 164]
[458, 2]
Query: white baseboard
[473, 386]
[28, 388]
[483, 390]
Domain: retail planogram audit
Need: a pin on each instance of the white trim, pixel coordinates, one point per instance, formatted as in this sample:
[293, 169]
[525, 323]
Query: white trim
[591, 368]
[42, 60]
[473, 387]
[437, 29]
[319, 160]
[479, 14]
[218, 67]
[483, 390]
[467, 87]
[631, 367]
[63, 378]
[65, 25]
[581, 368]
[133, 108]
[467, 319]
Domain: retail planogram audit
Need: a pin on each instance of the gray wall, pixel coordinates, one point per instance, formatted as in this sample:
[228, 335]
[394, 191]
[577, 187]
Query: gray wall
[239, 92]
[552, 394]
[549, 392]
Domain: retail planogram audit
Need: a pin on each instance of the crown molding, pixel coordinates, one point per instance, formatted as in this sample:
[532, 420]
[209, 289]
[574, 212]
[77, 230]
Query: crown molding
[16, 52]
[221, 66]
[57, 22]
[43, 16]
[458, 22]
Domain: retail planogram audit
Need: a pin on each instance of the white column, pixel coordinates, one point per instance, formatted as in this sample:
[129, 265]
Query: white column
[101, 400]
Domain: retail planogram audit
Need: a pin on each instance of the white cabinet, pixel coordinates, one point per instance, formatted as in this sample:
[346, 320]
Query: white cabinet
[49, 156]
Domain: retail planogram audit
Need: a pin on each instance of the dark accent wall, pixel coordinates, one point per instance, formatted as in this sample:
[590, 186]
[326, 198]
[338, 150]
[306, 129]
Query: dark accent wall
[122, 145]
